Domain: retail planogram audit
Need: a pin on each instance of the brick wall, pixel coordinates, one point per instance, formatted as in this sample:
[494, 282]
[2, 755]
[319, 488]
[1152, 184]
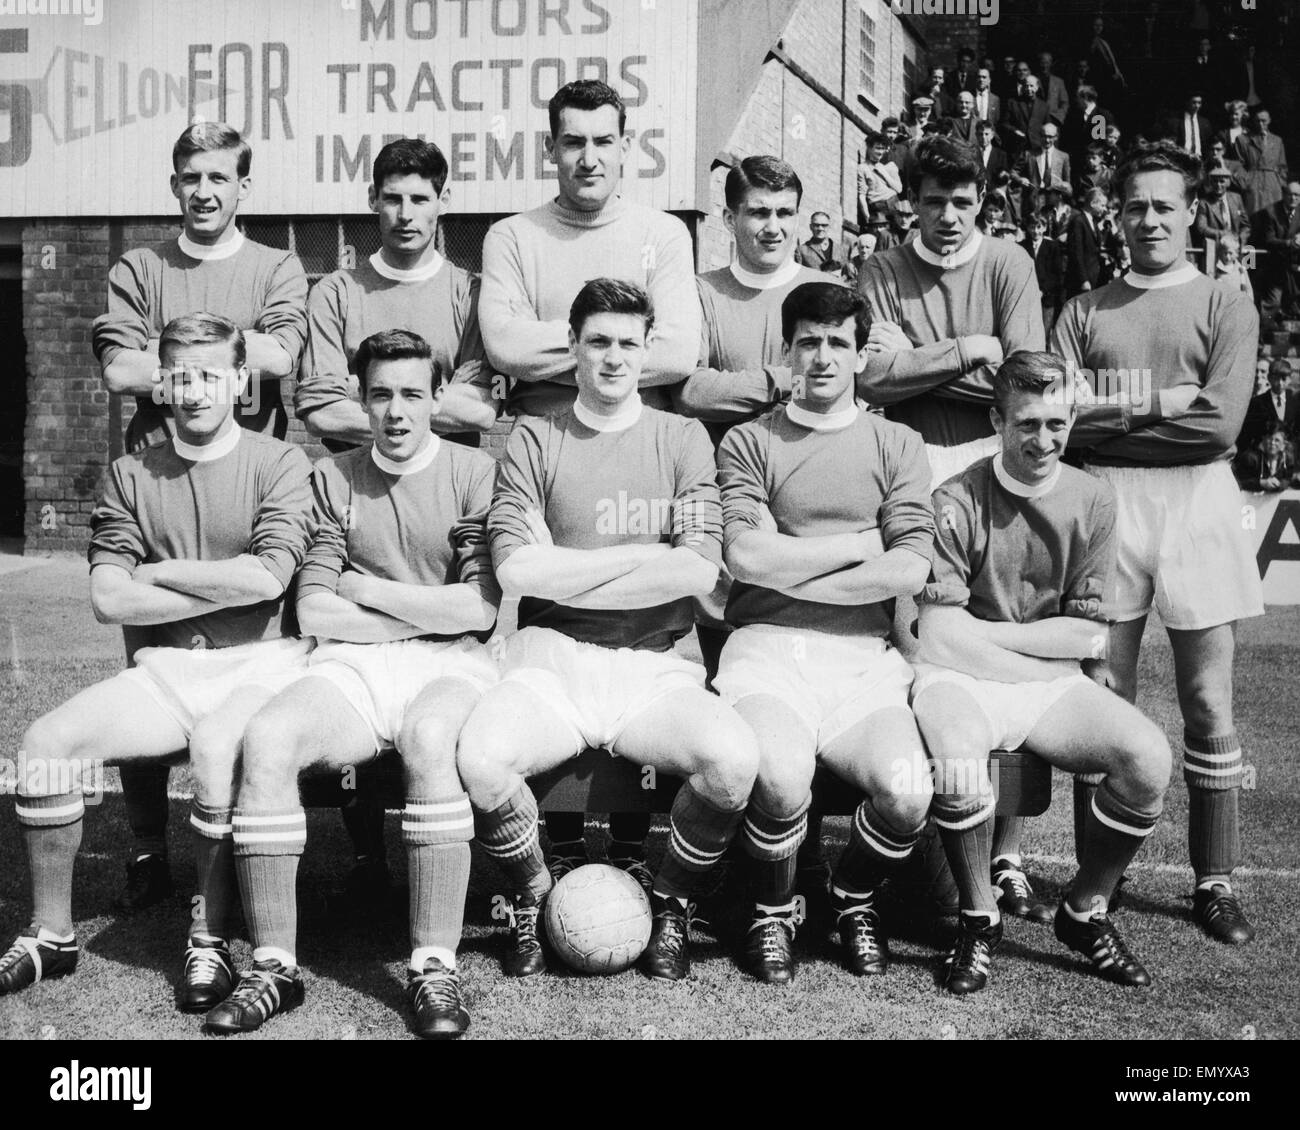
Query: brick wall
[65, 448]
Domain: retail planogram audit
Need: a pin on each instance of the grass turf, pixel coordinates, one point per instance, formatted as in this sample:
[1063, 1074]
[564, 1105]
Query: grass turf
[354, 964]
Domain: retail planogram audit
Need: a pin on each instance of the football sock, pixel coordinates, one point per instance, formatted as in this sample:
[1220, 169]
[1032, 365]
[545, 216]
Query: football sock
[363, 817]
[966, 828]
[627, 833]
[52, 833]
[873, 851]
[1008, 831]
[437, 831]
[509, 835]
[144, 793]
[810, 851]
[1212, 769]
[1112, 836]
[214, 863]
[565, 831]
[1085, 786]
[698, 834]
[268, 846]
[711, 640]
[772, 844]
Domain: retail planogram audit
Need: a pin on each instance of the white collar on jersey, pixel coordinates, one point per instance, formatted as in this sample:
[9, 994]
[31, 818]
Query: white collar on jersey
[1023, 490]
[962, 255]
[418, 462]
[224, 444]
[1177, 277]
[223, 250]
[623, 419]
[415, 274]
[822, 421]
[777, 278]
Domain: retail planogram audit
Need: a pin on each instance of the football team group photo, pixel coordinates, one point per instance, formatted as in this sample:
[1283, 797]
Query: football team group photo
[685, 522]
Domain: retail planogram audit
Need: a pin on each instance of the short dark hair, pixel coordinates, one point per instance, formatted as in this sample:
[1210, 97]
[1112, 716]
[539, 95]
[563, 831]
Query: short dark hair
[1280, 368]
[761, 171]
[410, 155]
[203, 329]
[825, 304]
[949, 163]
[876, 137]
[890, 122]
[610, 296]
[1160, 156]
[585, 94]
[394, 345]
[1028, 371]
[206, 137]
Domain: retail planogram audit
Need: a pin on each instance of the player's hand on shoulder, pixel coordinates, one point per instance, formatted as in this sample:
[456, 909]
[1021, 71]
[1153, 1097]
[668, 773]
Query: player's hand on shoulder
[466, 372]
[887, 337]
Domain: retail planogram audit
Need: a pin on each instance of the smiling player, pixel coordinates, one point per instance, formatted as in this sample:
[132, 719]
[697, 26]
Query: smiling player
[1167, 452]
[1024, 554]
[398, 590]
[827, 520]
[601, 606]
[196, 536]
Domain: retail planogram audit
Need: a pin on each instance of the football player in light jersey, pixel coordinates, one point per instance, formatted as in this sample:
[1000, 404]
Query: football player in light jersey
[827, 521]
[1165, 441]
[1024, 553]
[196, 537]
[606, 523]
[398, 590]
[211, 267]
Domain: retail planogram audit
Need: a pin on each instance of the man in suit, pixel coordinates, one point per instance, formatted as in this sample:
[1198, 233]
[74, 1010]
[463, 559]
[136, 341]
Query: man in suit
[1052, 88]
[944, 106]
[1277, 231]
[1039, 167]
[1103, 62]
[965, 124]
[1086, 122]
[1207, 72]
[1049, 265]
[988, 106]
[988, 152]
[1219, 213]
[1083, 245]
[1277, 408]
[963, 78]
[1023, 118]
[1191, 130]
[1006, 81]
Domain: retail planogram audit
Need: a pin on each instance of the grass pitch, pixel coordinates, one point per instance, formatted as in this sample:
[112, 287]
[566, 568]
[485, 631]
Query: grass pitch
[50, 647]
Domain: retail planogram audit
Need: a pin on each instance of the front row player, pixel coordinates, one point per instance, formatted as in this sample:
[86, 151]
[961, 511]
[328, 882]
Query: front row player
[606, 522]
[396, 587]
[828, 519]
[1024, 554]
[197, 535]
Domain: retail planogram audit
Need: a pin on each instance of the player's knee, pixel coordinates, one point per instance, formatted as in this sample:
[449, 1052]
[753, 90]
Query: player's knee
[50, 737]
[214, 754]
[730, 765]
[429, 740]
[1145, 761]
[904, 809]
[953, 743]
[1207, 707]
[484, 758]
[271, 755]
[784, 790]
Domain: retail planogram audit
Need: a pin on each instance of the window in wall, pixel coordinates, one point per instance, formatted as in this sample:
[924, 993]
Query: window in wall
[867, 53]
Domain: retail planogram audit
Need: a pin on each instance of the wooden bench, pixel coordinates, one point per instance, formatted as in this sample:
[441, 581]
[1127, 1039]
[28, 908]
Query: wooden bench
[597, 782]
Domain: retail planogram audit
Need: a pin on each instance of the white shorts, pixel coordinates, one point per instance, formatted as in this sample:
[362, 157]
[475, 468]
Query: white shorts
[948, 461]
[1182, 547]
[831, 682]
[1011, 709]
[190, 683]
[596, 690]
[381, 680]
